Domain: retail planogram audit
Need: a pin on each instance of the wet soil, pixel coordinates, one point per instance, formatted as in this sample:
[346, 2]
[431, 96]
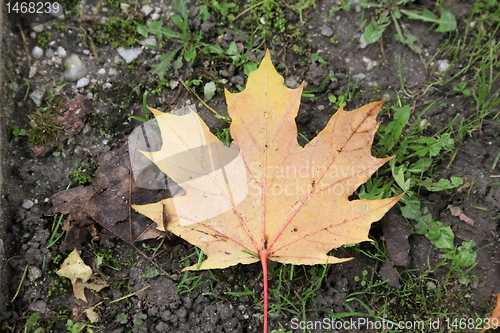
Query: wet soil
[145, 277]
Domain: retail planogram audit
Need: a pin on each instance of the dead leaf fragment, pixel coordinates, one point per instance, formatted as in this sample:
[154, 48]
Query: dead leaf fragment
[456, 211]
[494, 320]
[75, 269]
[92, 315]
[73, 119]
[396, 232]
[265, 196]
[107, 203]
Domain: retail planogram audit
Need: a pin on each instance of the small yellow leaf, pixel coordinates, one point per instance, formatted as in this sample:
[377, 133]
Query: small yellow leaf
[92, 315]
[75, 269]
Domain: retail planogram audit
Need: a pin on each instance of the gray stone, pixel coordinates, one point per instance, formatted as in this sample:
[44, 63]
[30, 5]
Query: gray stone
[149, 41]
[37, 96]
[326, 31]
[28, 204]
[358, 77]
[34, 273]
[38, 306]
[75, 68]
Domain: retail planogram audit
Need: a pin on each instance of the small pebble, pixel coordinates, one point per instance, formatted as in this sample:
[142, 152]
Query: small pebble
[49, 53]
[443, 65]
[37, 52]
[38, 306]
[149, 41]
[326, 31]
[147, 9]
[155, 16]
[362, 43]
[28, 204]
[431, 285]
[34, 273]
[101, 71]
[37, 97]
[83, 82]
[33, 70]
[112, 71]
[124, 7]
[75, 69]
[358, 77]
[61, 52]
[129, 54]
[38, 28]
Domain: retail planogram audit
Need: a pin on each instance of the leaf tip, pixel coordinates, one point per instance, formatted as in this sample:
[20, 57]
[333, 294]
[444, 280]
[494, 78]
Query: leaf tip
[155, 112]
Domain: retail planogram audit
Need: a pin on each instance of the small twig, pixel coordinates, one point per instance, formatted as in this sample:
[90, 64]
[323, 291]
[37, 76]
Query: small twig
[452, 159]
[25, 43]
[247, 10]
[129, 295]
[217, 114]
[20, 283]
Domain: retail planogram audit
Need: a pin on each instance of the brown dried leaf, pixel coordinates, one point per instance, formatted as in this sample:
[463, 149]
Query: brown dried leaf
[107, 204]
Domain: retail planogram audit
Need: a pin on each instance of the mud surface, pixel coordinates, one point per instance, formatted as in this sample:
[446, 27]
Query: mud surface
[145, 276]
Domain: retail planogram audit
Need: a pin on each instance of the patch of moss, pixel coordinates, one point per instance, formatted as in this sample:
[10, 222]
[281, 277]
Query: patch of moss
[59, 287]
[114, 3]
[45, 130]
[83, 176]
[117, 32]
[44, 39]
[61, 26]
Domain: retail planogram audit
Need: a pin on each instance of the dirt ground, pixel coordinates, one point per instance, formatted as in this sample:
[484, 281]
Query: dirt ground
[206, 301]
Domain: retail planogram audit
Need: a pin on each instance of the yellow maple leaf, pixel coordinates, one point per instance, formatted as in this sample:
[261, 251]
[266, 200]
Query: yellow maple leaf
[265, 196]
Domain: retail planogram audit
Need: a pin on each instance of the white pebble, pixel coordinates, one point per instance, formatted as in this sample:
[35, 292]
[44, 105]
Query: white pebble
[61, 52]
[33, 70]
[358, 77]
[112, 71]
[149, 41]
[443, 65]
[101, 71]
[124, 7]
[129, 54]
[28, 204]
[75, 69]
[38, 28]
[155, 16]
[83, 82]
[146, 9]
[37, 52]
